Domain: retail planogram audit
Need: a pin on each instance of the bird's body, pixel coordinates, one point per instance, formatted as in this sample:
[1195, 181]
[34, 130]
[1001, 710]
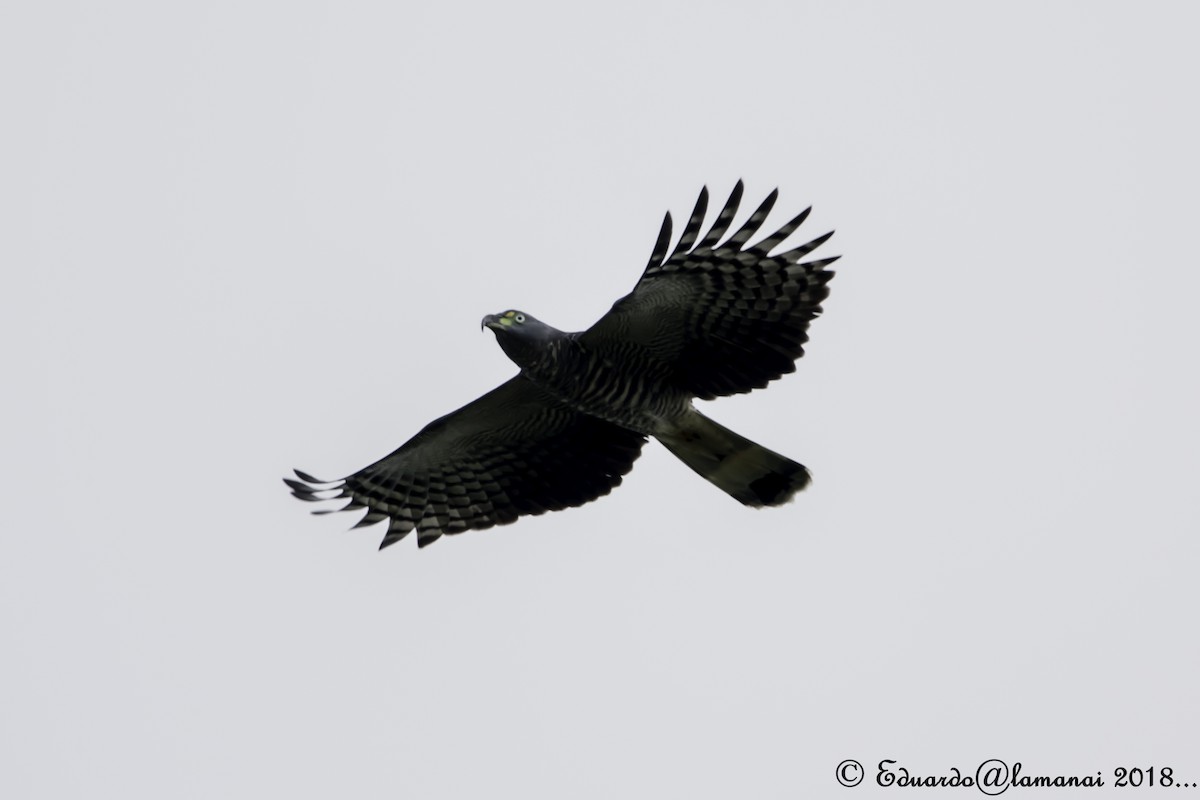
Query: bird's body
[709, 319]
[630, 390]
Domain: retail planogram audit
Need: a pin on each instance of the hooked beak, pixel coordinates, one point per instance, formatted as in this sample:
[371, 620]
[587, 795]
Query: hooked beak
[491, 321]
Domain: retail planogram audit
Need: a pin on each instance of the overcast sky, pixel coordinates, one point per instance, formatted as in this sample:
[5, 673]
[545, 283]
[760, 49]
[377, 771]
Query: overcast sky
[244, 237]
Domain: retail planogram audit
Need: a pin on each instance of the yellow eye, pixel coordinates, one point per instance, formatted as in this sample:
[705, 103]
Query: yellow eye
[519, 317]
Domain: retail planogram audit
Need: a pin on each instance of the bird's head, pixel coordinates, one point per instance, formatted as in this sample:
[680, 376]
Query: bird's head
[521, 336]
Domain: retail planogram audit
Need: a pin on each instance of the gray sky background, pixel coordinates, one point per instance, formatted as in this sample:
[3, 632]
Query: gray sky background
[242, 237]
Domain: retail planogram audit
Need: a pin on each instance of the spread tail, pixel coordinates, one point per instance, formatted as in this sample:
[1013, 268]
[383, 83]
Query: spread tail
[748, 472]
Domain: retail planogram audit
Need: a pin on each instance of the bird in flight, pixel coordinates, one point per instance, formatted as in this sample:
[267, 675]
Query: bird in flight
[708, 318]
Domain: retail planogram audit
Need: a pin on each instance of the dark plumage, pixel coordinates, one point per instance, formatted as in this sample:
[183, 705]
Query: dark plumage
[706, 319]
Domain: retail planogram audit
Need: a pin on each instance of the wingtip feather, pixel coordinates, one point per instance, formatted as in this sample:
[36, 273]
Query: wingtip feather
[304, 476]
[695, 224]
[725, 217]
[660, 246]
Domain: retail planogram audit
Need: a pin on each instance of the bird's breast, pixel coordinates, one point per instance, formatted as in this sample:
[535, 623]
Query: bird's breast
[622, 389]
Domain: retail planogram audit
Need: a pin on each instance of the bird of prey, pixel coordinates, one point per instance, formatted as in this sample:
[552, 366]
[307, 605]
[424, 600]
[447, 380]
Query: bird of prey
[708, 318]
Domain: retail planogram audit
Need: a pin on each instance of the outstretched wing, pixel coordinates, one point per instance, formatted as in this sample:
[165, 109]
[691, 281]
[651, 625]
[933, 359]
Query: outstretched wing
[512, 452]
[722, 318]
